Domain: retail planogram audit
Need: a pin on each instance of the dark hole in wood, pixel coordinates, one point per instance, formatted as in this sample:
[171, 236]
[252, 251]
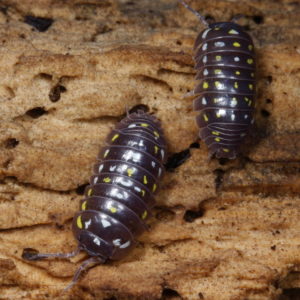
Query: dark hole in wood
[177, 159]
[191, 215]
[139, 107]
[258, 19]
[41, 24]
[292, 294]
[268, 101]
[36, 112]
[80, 189]
[195, 145]
[169, 294]
[265, 113]
[269, 79]
[11, 143]
[55, 92]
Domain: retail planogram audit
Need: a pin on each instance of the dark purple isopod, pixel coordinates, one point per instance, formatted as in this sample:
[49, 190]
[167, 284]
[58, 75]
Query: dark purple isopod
[119, 199]
[225, 91]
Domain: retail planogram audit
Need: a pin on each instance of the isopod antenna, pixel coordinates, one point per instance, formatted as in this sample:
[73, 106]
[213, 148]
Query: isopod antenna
[199, 16]
[32, 254]
[85, 265]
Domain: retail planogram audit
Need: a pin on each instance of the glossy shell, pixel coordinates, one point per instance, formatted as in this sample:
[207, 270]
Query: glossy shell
[119, 199]
[225, 64]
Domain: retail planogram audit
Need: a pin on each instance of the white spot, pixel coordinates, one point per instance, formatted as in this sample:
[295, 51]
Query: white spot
[132, 125]
[252, 121]
[162, 154]
[141, 143]
[204, 47]
[232, 117]
[245, 116]
[222, 112]
[124, 181]
[159, 172]
[112, 168]
[204, 34]
[117, 242]
[219, 44]
[205, 72]
[120, 195]
[136, 188]
[243, 134]
[95, 179]
[122, 168]
[232, 31]
[236, 58]
[105, 223]
[153, 164]
[125, 245]
[100, 168]
[204, 59]
[131, 155]
[204, 102]
[87, 224]
[96, 241]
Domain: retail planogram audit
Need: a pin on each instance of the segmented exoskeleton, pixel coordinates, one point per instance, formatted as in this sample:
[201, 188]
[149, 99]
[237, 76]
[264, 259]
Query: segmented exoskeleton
[119, 199]
[225, 90]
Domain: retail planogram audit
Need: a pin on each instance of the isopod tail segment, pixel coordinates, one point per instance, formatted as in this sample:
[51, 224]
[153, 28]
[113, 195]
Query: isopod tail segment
[32, 255]
[225, 91]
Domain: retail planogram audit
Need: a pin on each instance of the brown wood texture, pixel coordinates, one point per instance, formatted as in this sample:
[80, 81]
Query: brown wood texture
[221, 230]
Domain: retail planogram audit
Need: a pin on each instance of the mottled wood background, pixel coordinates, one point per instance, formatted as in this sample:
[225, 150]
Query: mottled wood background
[221, 230]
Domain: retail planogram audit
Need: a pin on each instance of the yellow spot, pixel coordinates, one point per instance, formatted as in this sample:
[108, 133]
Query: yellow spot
[236, 86]
[218, 71]
[234, 101]
[115, 137]
[250, 86]
[246, 99]
[143, 192]
[130, 172]
[217, 28]
[252, 74]
[90, 192]
[83, 206]
[156, 133]
[156, 149]
[236, 44]
[215, 132]
[218, 57]
[218, 84]
[144, 124]
[113, 209]
[105, 153]
[250, 47]
[154, 187]
[205, 85]
[205, 117]
[237, 72]
[225, 150]
[79, 222]
[106, 179]
[250, 61]
[145, 179]
[144, 216]
[218, 114]
[249, 104]
[217, 139]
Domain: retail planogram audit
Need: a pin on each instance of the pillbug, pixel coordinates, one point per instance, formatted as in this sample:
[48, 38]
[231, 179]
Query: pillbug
[119, 198]
[225, 92]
